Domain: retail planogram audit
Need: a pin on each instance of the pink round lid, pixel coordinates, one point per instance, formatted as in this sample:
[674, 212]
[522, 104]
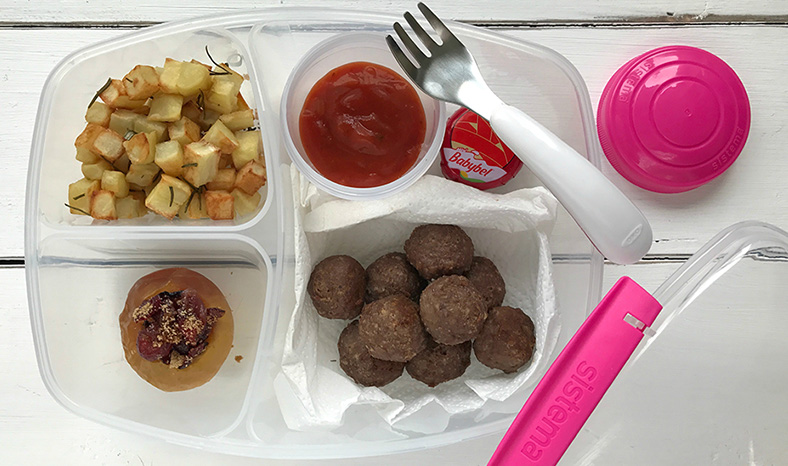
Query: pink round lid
[673, 119]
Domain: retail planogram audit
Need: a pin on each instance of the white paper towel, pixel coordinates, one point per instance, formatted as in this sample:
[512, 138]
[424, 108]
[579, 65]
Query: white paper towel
[510, 229]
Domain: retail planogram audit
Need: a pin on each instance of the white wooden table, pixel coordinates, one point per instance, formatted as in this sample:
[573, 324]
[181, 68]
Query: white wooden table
[596, 35]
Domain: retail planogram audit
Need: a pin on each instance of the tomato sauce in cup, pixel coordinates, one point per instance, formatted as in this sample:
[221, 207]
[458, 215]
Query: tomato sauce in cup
[362, 125]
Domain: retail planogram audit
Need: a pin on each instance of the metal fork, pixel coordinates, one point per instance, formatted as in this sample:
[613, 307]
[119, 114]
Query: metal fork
[449, 73]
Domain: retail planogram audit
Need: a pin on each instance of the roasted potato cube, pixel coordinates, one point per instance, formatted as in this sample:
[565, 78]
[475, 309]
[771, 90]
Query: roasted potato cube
[84, 155]
[98, 113]
[220, 205]
[193, 77]
[165, 107]
[169, 157]
[193, 112]
[131, 206]
[208, 67]
[141, 82]
[224, 180]
[226, 161]
[123, 121]
[206, 157]
[168, 76]
[115, 181]
[227, 85]
[251, 177]
[142, 174]
[242, 105]
[88, 136]
[144, 125]
[238, 120]
[141, 148]
[244, 203]
[115, 96]
[108, 144]
[248, 148]
[185, 131]
[79, 195]
[194, 209]
[102, 205]
[222, 138]
[220, 103]
[94, 171]
[168, 196]
[122, 164]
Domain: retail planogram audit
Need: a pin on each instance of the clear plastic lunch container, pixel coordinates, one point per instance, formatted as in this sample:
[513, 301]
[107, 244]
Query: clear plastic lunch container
[79, 271]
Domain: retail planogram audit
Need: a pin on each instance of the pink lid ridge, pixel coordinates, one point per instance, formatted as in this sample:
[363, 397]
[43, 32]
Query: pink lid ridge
[673, 119]
[578, 378]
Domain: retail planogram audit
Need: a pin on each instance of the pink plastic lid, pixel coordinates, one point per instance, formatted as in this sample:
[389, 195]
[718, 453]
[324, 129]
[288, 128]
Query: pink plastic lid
[673, 119]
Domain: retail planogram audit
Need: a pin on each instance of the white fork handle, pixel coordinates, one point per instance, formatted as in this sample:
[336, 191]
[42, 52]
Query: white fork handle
[609, 219]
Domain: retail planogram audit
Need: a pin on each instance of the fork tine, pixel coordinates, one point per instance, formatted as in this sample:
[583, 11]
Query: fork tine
[420, 32]
[445, 34]
[411, 46]
[401, 58]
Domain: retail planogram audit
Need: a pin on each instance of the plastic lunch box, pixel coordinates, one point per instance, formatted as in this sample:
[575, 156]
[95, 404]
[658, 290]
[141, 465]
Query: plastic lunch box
[78, 274]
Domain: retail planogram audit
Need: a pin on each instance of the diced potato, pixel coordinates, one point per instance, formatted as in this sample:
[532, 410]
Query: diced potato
[251, 177]
[102, 205]
[84, 155]
[115, 96]
[169, 157]
[226, 161]
[144, 125]
[210, 117]
[122, 121]
[208, 67]
[122, 164]
[193, 77]
[242, 105]
[193, 112]
[224, 180]
[220, 205]
[168, 196]
[248, 148]
[142, 174]
[88, 136]
[108, 144]
[244, 203]
[141, 148]
[185, 131]
[141, 82]
[165, 107]
[220, 136]
[116, 182]
[227, 85]
[194, 209]
[94, 171]
[221, 103]
[206, 157]
[238, 120]
[168, 76]
[79, 195]
[98, 113]
[131, 206]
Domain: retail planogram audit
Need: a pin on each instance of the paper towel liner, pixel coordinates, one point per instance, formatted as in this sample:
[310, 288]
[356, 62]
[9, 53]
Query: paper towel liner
[510, 229]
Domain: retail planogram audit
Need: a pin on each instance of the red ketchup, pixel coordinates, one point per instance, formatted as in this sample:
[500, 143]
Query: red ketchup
[472, 154]
[362, 125]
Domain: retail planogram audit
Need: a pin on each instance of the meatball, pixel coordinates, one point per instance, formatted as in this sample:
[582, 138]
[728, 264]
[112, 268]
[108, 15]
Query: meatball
[440, 363]
[437, 250]
[390, 274]
[337, 287]
[355, 360]
[452, 310]
[507, 340]
[391, 329]
[484, 276]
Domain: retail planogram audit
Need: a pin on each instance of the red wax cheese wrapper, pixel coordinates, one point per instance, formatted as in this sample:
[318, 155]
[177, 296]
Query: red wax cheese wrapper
[472, 154]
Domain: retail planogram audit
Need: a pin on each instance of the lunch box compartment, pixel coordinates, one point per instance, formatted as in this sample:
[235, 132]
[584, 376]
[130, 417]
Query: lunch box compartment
[86, 281]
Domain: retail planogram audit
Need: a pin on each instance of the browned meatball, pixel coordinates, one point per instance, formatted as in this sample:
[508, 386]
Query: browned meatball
[452, 310]
[391, 328]
[392, 273]
[337, 287]
[440, 363]
[355, 360]
[484, 276]
[507, 340]
[437, 250]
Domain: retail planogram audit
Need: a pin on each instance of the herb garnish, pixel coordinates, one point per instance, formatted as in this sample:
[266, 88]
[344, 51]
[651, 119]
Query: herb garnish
[216, 73]
[76, 208]
[194, 164]
[79, 197]
[172, 196]
[129, 134]
[98, 92]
